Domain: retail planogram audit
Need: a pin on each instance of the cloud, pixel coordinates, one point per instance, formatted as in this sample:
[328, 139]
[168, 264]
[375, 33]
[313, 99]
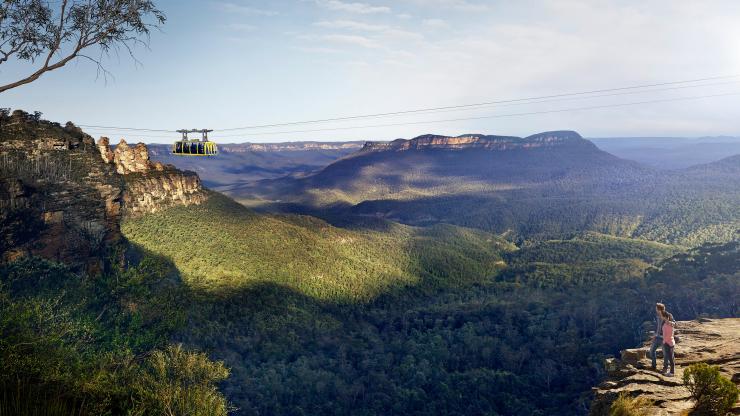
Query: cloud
[459, 5]
[321, 50]
[354, 40]
[380, 33]
[435, 23]
[245, 10]
[350, 7]
[241, 27]
[350, 24]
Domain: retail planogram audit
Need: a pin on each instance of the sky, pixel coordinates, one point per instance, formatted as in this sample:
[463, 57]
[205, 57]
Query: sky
[233, 63]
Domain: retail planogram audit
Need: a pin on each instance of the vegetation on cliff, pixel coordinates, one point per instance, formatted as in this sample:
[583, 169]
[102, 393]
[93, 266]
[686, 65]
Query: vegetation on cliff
[448, 331]
[74, 344]
[713, 393]
[305, 317]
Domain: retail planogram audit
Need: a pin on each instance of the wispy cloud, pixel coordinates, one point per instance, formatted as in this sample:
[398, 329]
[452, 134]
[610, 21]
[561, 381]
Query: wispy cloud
[354, 40]
[379, 31]
[243, 9]
[460, 5]
[241, 27]
[352, 7]
[350, 24]
[318, 50]
[435, 23]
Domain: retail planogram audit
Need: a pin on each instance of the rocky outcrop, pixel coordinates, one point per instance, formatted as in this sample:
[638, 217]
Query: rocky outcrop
[713, 341]
[150, 186]
[162, 189]
[479, 141]
[58, 199]
[131, 160]
[63, 197]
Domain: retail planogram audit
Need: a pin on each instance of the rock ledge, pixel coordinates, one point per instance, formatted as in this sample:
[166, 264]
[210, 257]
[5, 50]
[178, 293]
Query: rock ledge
[713, 341]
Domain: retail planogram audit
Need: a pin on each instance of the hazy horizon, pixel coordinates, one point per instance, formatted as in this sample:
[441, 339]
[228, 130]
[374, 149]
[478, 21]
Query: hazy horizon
[226, 64]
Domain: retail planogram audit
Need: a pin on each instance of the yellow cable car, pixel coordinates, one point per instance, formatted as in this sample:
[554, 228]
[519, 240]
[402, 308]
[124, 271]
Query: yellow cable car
[194, 147]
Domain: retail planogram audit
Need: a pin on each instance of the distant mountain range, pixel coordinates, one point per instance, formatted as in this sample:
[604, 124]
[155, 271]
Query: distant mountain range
[241, 163]
[670, 152]
[543, 185]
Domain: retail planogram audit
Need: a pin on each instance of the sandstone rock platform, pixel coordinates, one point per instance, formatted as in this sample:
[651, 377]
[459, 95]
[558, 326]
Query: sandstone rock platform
[713, 341]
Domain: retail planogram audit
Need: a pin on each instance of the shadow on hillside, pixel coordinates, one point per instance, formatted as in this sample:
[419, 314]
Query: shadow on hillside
[150, 262]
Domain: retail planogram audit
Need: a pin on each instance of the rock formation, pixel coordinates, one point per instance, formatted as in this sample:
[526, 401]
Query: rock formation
[713, 341]
[479, 141]
[63, 197]
[57, 198]
[150, 186]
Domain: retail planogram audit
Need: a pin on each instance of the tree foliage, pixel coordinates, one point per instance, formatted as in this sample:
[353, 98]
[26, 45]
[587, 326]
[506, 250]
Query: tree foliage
[714, 394]
[74, 345]
[50, 35]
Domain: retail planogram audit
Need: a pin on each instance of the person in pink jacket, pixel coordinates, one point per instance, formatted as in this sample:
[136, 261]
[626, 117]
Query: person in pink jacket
[669, 343]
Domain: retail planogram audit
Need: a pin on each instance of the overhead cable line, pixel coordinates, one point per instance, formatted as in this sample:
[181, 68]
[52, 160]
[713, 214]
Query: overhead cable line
[588, 97]
[595, 107]
[420, 110]
[528, 100]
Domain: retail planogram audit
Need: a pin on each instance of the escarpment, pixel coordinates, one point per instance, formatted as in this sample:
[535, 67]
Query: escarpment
[479, 141]
[712, 341]
[63, 197]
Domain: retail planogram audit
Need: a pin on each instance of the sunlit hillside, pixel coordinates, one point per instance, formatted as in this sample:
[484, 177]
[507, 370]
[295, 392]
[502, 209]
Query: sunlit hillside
[223, 246]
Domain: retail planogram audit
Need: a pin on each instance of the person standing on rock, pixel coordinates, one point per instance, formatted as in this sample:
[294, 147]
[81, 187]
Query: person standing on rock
[658, 338]
[669, 344]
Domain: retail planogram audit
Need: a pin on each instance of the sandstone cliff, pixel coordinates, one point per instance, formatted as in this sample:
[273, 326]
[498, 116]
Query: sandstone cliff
[150, 186]
[713, 341]
[288, 146]
[479, 141]
[63, 197]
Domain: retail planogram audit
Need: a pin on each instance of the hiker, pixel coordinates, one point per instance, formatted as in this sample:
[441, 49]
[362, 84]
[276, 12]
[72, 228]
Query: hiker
[658, 338]
[669, 344]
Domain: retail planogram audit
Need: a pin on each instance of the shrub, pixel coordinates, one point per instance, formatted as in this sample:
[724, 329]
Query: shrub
[714, 394]
[630, 406]
[178, 382]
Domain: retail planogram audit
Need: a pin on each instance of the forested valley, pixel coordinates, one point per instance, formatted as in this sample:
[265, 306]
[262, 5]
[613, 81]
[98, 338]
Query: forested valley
[208, 307]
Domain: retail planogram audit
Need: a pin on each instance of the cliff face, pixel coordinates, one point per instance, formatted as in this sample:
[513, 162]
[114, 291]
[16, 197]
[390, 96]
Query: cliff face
[478, 141]
[150, 186]
[713, 341]
[63, 197]
[289, 146]
[58, 199]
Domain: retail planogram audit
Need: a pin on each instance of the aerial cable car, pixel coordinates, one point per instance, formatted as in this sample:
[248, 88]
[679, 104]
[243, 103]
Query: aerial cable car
[194, 147]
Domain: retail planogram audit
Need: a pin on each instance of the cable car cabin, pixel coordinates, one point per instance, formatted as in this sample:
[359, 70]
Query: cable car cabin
[194, 147]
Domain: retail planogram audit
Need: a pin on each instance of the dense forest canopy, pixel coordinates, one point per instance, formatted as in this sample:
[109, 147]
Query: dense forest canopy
[212, 307]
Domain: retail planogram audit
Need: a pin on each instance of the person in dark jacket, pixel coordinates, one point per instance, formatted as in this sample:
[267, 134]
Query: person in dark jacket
[658, 337]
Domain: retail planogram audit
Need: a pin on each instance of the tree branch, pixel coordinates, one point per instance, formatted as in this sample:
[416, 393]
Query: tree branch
[32, 34]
